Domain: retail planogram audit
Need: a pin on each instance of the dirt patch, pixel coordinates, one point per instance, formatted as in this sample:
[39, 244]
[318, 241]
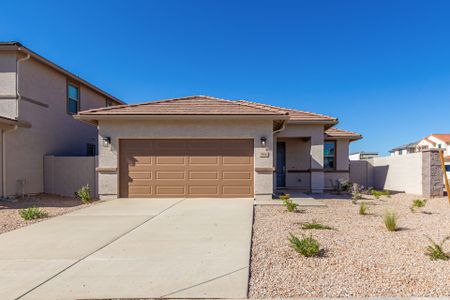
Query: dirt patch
[54, 205]
[361, 258]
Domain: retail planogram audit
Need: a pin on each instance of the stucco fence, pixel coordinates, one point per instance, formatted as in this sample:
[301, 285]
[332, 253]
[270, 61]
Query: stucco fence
[416, 173]
[64, 175]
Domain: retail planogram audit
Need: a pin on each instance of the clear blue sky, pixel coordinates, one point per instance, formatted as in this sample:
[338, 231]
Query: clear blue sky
[381, 67]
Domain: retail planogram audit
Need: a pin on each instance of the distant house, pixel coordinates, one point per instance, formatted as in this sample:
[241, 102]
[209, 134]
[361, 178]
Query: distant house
[362, 155]
[37, 102]
[404, 149]
[436, 141]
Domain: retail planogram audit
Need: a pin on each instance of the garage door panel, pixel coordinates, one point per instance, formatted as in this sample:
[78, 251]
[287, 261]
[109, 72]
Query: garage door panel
[140, 175]
[236, 175]
[236, 160]
[236, 190]
[141, 190]
[186, 168]
[167, 175]
[204, 160]
[170, 190]
[170, 160]
[201, 175]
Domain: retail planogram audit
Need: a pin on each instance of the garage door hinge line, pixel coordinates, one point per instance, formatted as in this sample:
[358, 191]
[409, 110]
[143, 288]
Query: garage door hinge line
[100, 248]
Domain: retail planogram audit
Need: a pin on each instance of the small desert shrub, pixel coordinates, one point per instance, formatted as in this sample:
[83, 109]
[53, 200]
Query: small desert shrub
[284, 197]
[315, 225]
[363, 208]
[386, 193]
[32, 213]
[436, 251]
[356, 192]
[390, 220]
[341, 185]
[290, 205]
[307, 246]
[376, 194]
[84, 194]
[417, 204]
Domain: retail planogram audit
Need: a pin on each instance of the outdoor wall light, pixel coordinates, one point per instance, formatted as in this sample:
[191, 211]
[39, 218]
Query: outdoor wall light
[106, 141]
[263, 141]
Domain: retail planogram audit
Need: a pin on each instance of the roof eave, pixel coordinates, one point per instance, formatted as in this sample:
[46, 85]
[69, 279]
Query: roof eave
[14, 46]
[94, 118]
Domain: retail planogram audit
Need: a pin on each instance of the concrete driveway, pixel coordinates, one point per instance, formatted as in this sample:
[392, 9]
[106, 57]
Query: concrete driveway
[132, 248]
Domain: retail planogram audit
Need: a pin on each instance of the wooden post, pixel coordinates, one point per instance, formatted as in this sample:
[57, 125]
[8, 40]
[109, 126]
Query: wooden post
[441, 156]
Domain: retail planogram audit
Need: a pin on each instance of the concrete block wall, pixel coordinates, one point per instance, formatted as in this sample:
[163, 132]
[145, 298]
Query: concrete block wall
[64, 175]
[416, 173]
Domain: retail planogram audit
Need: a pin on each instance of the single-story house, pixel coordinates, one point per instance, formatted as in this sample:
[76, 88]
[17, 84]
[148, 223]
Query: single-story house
[201, 146]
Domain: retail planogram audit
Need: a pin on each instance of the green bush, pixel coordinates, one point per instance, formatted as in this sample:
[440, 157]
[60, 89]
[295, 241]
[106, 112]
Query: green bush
[386, 193]
[390, 220]
[417, 204]
[315, 225]
[376, 194]
[436, 251]
[363, 208]
[284, 197]
[290, 205]
[84, 194]
[307, 247]
[32, 213]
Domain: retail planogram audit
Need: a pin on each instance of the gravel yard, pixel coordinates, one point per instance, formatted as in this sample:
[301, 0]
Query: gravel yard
[361, 259]
[54, 205]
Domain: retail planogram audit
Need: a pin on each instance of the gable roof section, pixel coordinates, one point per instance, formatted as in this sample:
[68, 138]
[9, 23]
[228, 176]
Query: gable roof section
[206, 105]
[445, 137]
[341, 133]
[191, 105]
[16, 46]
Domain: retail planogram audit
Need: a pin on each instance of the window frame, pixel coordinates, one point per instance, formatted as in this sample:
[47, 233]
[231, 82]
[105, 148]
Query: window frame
[76, 85]
[108, 102]
[334, 155]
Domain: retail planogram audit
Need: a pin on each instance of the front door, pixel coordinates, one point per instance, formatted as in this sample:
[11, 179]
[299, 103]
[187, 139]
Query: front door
[281, 164]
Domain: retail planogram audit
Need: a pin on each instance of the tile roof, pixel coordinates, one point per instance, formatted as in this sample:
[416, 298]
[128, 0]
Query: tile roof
[335, 132]
[206, 105]
[294, 114]
[442, 136]
[191, 105]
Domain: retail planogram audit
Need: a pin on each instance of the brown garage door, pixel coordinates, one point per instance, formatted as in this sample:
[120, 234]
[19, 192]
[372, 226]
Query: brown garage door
[186, 168]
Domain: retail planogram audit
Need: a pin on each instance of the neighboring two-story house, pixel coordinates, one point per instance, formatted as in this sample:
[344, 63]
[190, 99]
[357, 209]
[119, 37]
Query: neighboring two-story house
[436, 141]
[37, 102]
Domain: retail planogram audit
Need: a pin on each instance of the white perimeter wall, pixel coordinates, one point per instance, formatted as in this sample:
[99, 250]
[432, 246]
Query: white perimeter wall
[397, 173]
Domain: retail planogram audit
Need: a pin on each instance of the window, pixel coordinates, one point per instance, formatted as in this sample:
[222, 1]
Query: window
[73, 98]
[109, 103]
[90, 150]
[329, 155]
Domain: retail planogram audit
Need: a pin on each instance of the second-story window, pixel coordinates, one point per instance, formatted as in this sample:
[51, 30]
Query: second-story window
[73, 98]
[109, 102]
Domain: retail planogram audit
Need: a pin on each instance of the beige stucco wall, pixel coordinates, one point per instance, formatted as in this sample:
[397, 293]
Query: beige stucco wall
[315, 133]
[8, 107]
[398, 173]
[52, 131]
[64, 175]
[298, 159]
[254, 129]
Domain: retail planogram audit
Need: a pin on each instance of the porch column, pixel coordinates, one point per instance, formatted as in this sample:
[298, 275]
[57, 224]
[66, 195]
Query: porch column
[317, 176]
